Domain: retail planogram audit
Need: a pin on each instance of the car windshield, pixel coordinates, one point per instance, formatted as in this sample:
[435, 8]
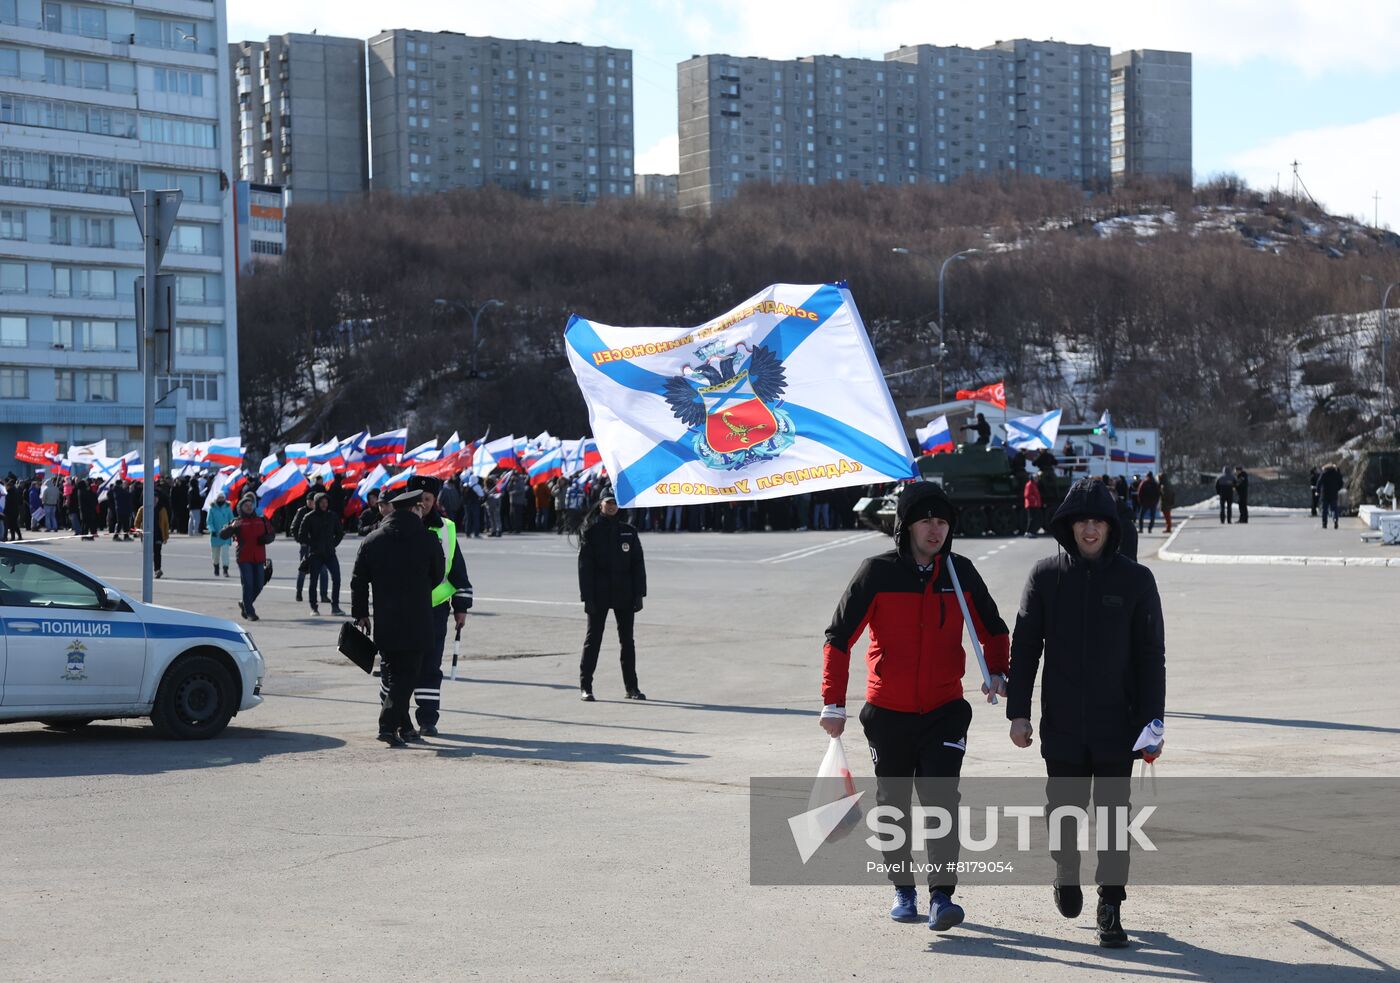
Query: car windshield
[27, 582]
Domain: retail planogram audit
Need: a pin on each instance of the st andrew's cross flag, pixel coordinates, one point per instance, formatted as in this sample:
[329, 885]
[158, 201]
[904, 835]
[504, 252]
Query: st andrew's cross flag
[779, 396]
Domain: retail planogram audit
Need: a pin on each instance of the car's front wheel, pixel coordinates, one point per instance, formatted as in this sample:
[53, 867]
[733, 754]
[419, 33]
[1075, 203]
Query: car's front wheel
[196, 699]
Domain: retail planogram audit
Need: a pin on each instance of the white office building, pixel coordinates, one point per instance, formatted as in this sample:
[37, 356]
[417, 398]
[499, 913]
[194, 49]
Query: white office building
[97, 100]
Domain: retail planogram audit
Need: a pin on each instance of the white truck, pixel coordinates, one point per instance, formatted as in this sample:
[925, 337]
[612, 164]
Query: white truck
[1128, 452]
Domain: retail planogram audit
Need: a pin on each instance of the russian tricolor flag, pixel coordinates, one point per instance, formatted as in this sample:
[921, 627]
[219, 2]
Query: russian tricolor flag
[385, 448]
[286, 485]
[423, 452]
[548, 467]
[225, 451]
[268, 466]
[135, 470]
[327, 453]
[398, 482]
[936, 438]
[375, 479]
[591, 454]
[496, 454]
[298, 454]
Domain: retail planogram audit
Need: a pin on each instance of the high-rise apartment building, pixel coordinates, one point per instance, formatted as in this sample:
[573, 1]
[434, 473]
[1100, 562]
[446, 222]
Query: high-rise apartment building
[656, 187]
[1151, 114]
[299, 117]
[549, 120]
[925, 113]
[98, 99]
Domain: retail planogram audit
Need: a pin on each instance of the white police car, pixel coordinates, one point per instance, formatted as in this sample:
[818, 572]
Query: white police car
[73, 650]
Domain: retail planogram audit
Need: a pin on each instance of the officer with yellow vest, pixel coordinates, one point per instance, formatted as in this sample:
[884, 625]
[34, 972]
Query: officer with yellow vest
[455, 587]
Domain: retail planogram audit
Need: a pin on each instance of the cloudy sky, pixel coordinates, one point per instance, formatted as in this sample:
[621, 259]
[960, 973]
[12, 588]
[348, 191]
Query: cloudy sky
[1274, 80]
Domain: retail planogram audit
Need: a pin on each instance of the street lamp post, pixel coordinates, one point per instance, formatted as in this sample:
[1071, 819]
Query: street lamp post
[476, 318]
[942, 270]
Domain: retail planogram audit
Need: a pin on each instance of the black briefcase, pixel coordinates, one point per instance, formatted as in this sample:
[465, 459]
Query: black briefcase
[356, 646]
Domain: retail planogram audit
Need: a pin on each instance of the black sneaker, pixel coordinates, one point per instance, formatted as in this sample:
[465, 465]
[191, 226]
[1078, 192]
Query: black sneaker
[335, 610]
[586, 695]
[428, 731]
[411, 736]
[391, 739]
[325, 599]
[1111, 934]
[242, 610]
[636, 694]
[1069, 900]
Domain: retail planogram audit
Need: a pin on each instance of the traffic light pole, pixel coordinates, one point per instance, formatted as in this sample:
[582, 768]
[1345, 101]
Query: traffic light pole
[148, 400]
[155, 308]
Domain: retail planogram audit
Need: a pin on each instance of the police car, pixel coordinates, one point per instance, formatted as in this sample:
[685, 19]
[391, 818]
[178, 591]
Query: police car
[73, 650]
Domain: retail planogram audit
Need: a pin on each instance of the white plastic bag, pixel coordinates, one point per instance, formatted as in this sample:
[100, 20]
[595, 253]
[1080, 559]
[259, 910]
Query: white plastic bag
[835, 782]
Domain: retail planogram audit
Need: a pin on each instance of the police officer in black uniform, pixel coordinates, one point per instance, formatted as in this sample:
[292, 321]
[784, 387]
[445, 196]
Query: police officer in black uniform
[401, 561]
[454, 588]
[612, 576]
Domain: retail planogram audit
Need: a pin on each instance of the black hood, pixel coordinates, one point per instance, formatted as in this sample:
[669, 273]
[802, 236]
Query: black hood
[917, 499]
[1088, 498]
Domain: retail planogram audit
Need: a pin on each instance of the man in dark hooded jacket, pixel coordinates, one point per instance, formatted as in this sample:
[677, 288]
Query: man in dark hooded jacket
[1097, 619]
[612, 576]
[319, 533]
[915, 717]
[1329, 490]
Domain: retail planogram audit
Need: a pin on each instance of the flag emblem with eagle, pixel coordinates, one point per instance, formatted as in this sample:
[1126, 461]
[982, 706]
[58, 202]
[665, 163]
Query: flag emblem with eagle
[731, 401]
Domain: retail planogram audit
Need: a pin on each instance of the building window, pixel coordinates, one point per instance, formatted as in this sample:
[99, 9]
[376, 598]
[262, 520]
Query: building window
[12, 223]
[9, 63]
[14, 383]
[14, 278]
[77, 281]
[64, 384]
[181, 132]
[192, 339]
[14, 332]
[204, 429]
[182, 83]
[197, 385]
[176, 35]
[101, 336]
[9, 13]
[80, 230]
[102, 386]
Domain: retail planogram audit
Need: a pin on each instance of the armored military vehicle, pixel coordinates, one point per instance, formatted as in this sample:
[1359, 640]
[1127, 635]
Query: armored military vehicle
[979, 480]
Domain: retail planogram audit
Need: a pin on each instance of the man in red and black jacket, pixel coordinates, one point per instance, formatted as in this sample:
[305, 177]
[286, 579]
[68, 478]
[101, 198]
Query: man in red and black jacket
[915, 717]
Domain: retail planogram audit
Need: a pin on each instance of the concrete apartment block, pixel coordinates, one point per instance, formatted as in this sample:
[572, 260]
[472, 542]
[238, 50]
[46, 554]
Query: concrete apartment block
[1151, 114]
[549, 120]
[300, 115]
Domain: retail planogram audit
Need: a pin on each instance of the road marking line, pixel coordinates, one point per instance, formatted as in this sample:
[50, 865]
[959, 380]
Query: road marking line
[806, 551]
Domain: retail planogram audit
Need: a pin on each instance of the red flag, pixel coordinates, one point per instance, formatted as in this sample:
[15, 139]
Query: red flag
[32, 453]
[994, 394]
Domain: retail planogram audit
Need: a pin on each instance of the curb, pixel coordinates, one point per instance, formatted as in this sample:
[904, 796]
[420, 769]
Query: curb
[1219, 559]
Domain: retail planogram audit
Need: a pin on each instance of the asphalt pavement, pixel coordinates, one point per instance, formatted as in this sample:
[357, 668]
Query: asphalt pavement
[543, 838]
